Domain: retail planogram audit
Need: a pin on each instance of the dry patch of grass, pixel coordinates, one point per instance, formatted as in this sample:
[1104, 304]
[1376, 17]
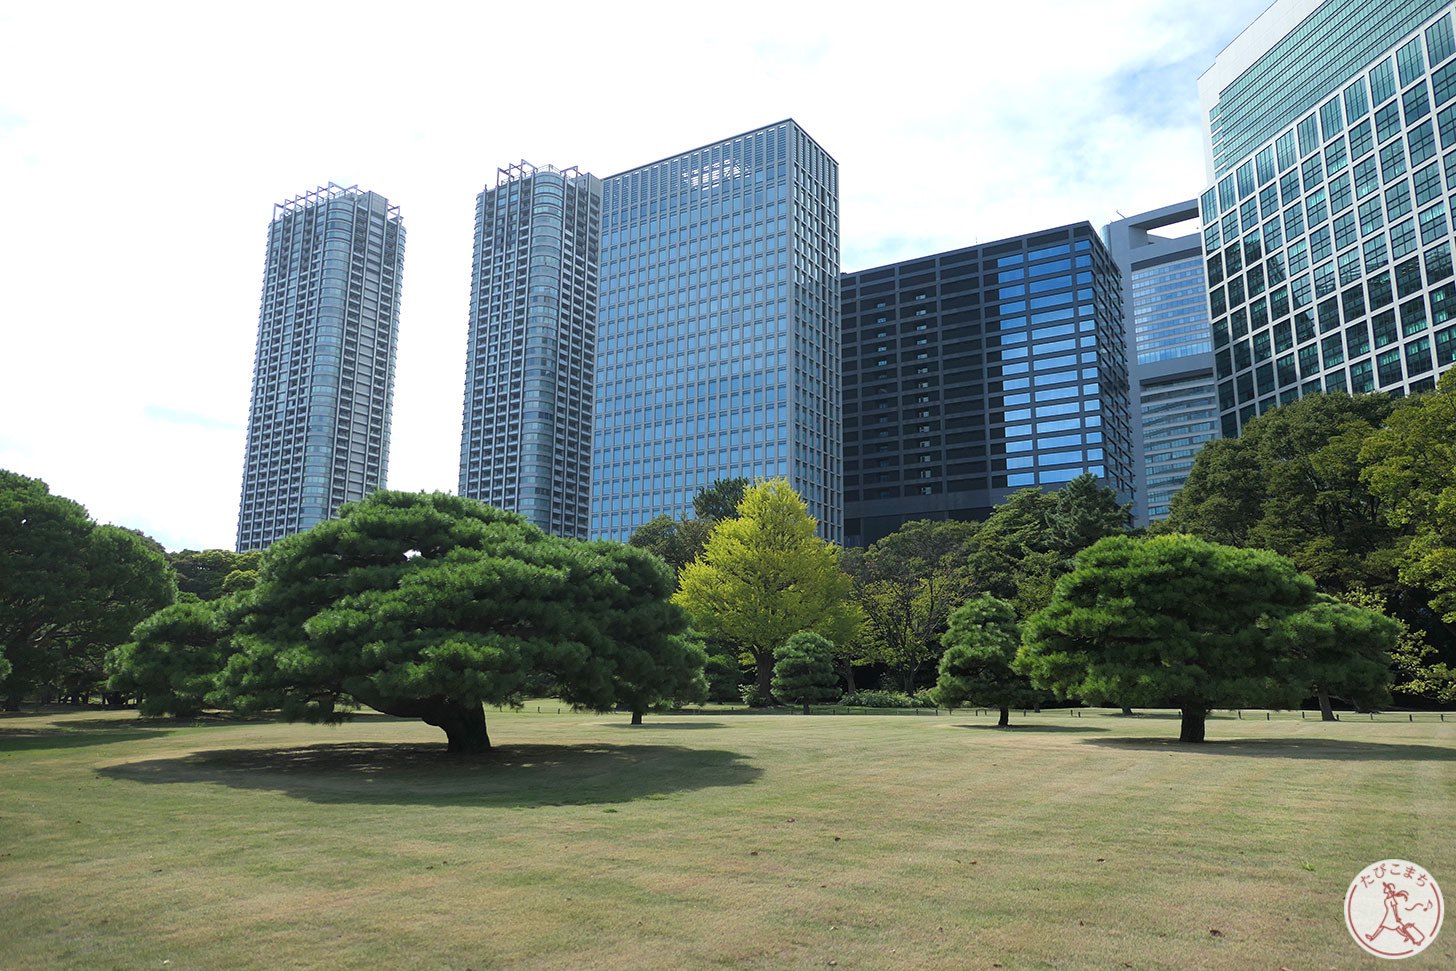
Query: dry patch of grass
[704, 841]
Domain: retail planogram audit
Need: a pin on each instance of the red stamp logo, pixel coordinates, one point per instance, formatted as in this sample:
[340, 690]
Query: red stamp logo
[1394, 909]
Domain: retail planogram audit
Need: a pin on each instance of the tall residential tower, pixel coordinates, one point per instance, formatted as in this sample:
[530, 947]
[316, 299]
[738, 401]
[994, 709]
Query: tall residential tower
[525, 442]
[1327, 230]
[318, 429]
[718, 343]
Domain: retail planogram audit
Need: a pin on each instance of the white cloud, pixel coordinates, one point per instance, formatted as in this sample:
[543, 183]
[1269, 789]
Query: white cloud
[143, 146]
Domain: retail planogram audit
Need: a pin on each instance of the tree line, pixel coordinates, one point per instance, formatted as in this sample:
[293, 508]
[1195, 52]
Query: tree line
[1301, 560]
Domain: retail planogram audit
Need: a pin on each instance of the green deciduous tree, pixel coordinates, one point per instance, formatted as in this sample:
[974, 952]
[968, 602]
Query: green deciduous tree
[1168, 621]
[976, 668]
[69, 589]
[429, 606]
[173, 659]
[906, 584]
[204, 573]
[766, 575]
[1336, 649]
[719, 500]
[1292, 483]
[803, 673]
[676, 541]
[1410, 465]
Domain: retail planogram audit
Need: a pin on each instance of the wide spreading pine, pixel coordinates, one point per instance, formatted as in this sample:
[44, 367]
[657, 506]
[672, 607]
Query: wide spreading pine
[430, 606]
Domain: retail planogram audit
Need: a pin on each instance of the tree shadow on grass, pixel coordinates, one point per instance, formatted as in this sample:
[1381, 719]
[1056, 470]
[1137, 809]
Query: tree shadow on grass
[649, 724]
[40, 739]
[1015, 728]
[1325, 749]
[528, 776]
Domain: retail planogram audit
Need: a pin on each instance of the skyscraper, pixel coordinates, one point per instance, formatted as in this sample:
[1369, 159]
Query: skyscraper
[976, 372]
[318, 429]
[525, 442]
[1326, 230]
[1169, 350]
[718, 341]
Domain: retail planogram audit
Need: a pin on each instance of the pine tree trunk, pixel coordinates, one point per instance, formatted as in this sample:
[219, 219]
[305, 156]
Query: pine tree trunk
[1192, 729]
[636, 717]
[1005, 719]
[463, 722]
[1126, 710]
[847, 670]
[806, 708]
[1327, 713]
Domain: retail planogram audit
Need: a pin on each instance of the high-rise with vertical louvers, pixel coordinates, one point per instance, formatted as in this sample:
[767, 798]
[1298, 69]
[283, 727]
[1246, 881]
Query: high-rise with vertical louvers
[1169, 350]
[1327, 228]
[318, 429]
[718, 340]
[525, 443]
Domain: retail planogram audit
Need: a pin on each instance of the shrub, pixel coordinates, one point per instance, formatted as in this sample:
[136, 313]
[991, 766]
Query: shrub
[887, 699]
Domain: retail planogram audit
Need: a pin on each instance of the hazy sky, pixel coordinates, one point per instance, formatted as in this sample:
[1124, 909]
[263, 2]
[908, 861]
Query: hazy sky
[143, 145]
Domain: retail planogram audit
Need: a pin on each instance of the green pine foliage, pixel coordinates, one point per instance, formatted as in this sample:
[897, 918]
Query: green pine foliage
[804, 674]
[429, 606]
[980, 648]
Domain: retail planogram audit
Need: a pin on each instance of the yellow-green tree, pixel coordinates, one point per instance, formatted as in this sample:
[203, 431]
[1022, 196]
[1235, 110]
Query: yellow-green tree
[765, 576]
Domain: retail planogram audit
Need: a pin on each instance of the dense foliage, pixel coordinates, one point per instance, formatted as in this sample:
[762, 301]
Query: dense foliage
[976, 667]
[70, 590]
[1170, 621]
[172, 660]
[764, 576]
[804, 671]
[429, 606]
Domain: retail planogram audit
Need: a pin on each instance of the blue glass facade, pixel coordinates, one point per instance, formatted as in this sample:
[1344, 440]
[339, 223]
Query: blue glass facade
[318, 428]
[974, 373]
[1165, 303]
[1329, 246]
[718, 332]
[525, 442]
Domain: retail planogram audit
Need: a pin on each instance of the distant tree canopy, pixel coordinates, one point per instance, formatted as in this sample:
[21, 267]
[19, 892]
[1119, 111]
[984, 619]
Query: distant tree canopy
[69, 590]
[429, 606]
[1410, 467]
[1349, 489]
[208, 574]
[906, 585]
[764, 576]
[680, 541]
[1292, 483]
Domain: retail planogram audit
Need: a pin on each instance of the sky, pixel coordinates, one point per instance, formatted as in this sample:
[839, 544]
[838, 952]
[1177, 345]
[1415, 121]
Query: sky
[143, 146]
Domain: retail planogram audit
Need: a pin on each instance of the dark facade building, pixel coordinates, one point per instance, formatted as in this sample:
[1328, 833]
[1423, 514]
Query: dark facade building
[974, 373]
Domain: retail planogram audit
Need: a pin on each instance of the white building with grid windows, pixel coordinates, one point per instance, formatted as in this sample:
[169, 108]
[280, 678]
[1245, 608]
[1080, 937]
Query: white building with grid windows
[1327, 233]
[323, 378]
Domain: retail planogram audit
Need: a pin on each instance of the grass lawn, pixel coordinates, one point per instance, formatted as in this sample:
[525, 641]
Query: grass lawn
[711, 840]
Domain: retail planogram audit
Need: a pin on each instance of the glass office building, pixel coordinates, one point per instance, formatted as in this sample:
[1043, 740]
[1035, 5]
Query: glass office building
[718, 334]
[525, 440]
[318, 428]
[1170, 350]
[1327, 230]
[973, 373]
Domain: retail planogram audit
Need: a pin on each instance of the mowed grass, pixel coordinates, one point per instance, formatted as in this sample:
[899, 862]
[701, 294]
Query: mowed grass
[710, 841]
